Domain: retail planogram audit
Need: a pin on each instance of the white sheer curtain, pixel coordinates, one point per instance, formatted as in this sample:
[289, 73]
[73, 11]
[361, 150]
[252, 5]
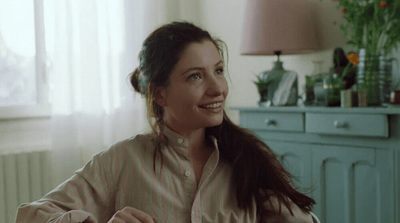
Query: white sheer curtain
[92, 47]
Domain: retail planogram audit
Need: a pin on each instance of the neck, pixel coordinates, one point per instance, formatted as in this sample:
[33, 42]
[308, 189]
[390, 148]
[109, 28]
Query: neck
[198, 148]
[199, 151]
[278, 66]
[196, 137]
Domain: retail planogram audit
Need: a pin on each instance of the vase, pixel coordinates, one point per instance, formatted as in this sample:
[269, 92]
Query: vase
[371, 74]
[263, 102]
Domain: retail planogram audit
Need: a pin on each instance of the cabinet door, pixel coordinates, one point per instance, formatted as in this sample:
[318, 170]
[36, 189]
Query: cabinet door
[354, 184]
[296, 158]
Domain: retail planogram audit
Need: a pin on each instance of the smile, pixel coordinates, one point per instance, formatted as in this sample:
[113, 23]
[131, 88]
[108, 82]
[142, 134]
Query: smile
[213, 105]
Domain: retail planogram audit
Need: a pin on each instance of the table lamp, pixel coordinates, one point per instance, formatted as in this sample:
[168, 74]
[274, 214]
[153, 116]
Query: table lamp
[279, 27]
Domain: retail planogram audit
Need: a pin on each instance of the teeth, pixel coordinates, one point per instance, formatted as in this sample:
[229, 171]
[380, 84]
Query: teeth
[214, 105]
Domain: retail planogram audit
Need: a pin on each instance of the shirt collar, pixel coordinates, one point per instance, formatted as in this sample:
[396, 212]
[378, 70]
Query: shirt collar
[174, 138]
[179, 142]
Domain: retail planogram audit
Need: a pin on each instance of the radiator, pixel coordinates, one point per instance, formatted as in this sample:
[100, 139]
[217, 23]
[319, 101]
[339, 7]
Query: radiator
[24, 177]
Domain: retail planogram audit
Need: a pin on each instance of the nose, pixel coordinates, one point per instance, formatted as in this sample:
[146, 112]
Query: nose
[216, 85]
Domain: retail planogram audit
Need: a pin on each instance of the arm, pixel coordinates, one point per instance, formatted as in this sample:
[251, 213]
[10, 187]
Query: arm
[85, 197]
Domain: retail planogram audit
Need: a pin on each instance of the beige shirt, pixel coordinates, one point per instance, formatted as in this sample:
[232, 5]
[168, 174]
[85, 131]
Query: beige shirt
[124, 176]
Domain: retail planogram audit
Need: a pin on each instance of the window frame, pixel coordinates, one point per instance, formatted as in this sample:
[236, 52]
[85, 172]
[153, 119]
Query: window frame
[42, 107]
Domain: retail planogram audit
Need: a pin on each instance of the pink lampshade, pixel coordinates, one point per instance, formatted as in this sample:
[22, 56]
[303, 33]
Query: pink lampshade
[278, 25]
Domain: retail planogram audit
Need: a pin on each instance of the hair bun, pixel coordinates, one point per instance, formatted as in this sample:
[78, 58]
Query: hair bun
[135, 80]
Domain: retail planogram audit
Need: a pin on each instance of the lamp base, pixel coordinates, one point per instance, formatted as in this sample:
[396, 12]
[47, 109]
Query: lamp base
[282, 89]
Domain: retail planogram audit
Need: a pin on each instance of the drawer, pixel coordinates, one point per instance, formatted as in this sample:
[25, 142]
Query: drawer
[375, 125]
[277, 121]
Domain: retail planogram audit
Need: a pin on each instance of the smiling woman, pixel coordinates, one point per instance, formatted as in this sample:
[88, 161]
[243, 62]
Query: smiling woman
[193, 153]
[195, 95]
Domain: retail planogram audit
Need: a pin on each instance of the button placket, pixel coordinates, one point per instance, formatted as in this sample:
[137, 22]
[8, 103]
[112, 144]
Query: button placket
[196, 209]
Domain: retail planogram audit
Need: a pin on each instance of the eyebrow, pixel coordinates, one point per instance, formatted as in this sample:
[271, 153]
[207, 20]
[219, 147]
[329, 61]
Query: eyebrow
[200, 68]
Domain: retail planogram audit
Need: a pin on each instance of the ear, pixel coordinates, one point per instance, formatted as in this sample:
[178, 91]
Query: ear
[160, 96]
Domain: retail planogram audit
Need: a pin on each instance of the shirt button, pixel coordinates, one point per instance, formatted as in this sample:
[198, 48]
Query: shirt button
[187, 173]
[180, 141]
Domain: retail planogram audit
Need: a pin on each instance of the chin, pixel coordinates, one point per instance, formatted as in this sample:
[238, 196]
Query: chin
[215, 122]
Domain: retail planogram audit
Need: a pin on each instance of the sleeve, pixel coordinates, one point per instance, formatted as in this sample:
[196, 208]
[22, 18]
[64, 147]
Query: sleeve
[86, 197]
[286, 217]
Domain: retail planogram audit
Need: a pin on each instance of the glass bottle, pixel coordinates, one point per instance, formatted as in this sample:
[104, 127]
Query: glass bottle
[332, 84]
[317, 79]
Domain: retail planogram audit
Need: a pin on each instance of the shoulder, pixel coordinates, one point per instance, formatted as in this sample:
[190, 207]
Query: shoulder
[134, 143]
[127, 154]
[128, 148]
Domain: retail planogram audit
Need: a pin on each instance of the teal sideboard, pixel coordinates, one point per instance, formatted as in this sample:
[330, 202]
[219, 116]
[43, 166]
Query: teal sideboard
[347, 157]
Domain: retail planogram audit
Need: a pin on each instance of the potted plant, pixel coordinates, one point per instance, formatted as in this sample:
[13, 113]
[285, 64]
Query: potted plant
[371, 24]
[262, 87]
[373, 28]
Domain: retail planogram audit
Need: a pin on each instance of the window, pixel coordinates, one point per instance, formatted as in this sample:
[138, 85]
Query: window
[23, 87]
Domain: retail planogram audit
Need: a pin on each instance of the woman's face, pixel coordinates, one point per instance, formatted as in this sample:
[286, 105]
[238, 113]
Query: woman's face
[195, 96]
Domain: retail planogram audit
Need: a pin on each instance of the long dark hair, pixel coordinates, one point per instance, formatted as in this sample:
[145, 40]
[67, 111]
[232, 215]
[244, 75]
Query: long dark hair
[255, 167]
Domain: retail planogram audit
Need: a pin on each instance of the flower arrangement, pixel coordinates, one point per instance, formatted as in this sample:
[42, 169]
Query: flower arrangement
[371, 24]
[349, 72]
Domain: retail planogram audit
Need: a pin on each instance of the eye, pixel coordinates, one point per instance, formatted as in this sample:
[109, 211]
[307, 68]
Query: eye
[194, 76]
[219, 71]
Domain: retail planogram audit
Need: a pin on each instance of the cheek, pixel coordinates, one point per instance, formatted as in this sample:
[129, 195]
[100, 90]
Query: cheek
[225, 87]
[182, 97]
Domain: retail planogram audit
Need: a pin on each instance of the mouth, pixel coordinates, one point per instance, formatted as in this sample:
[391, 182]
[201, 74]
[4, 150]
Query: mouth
[212, 105]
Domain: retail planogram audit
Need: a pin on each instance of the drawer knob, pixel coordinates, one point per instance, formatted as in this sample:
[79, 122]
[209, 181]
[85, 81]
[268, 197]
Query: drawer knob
[340, 124]
[270, 121]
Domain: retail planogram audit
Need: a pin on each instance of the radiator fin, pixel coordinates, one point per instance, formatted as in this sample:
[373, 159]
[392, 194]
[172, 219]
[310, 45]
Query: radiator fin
[24, 177]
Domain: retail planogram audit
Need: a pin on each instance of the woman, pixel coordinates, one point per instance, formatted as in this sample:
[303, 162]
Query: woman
[195, 166]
